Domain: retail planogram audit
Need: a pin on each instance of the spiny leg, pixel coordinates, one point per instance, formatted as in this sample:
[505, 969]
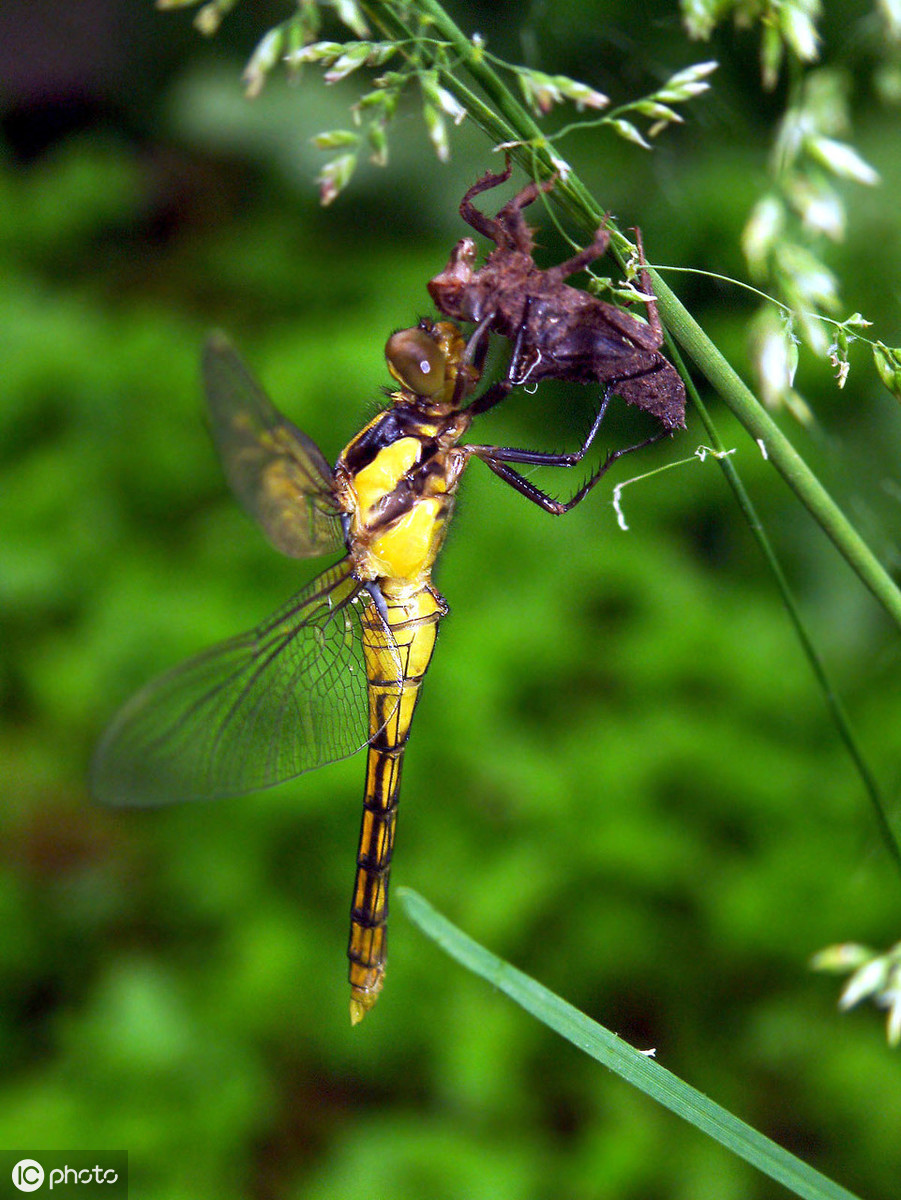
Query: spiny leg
[492, 455]
[556, 507]
[612, 456]
[498, 458]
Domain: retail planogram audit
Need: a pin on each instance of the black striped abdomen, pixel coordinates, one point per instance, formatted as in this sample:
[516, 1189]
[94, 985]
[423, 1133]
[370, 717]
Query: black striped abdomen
[414, 616]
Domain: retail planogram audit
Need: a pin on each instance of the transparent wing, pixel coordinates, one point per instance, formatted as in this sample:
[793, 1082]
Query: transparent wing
[279, 474]
[256, 710]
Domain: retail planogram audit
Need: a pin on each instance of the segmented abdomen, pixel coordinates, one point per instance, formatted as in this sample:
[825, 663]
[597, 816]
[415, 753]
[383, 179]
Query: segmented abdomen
[413, 616]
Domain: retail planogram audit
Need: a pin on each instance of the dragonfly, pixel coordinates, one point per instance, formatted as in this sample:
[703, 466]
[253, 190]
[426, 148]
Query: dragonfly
[341, 665]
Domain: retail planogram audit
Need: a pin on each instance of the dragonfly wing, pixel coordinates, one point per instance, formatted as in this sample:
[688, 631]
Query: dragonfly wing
[279, 474]
[254, 711]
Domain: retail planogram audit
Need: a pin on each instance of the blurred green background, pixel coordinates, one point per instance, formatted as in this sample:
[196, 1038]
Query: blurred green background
[621, 776]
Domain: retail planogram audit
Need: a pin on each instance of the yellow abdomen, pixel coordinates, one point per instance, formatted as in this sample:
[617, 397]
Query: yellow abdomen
[413, 616]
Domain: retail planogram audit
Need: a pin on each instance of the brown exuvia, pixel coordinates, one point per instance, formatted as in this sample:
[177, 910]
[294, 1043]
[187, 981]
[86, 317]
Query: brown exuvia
[558, 331]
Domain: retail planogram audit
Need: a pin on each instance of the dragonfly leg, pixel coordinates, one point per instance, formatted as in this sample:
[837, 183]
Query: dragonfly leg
[375, 594]
[543, 458]
[491, 396]
[508, 228]
[499, 458]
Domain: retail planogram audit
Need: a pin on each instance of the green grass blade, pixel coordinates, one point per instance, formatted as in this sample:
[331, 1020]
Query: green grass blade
[636, 1068]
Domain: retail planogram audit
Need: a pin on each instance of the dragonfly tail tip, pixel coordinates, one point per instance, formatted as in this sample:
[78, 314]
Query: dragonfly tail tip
[362, 999]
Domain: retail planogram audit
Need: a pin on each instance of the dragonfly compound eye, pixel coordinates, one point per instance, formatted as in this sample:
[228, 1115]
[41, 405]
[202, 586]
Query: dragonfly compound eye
[416, 362]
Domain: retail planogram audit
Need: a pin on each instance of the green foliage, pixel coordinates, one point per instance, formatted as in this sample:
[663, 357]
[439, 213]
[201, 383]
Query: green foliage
[621, 776]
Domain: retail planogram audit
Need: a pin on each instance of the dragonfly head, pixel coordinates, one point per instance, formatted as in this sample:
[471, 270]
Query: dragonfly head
[429, 363]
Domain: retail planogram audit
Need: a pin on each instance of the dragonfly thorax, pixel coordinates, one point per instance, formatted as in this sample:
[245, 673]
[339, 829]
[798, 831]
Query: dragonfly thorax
[397, 478]
[401, 500]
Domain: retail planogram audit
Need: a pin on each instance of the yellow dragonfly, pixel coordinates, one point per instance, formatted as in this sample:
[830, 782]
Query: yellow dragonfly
[341, 665]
